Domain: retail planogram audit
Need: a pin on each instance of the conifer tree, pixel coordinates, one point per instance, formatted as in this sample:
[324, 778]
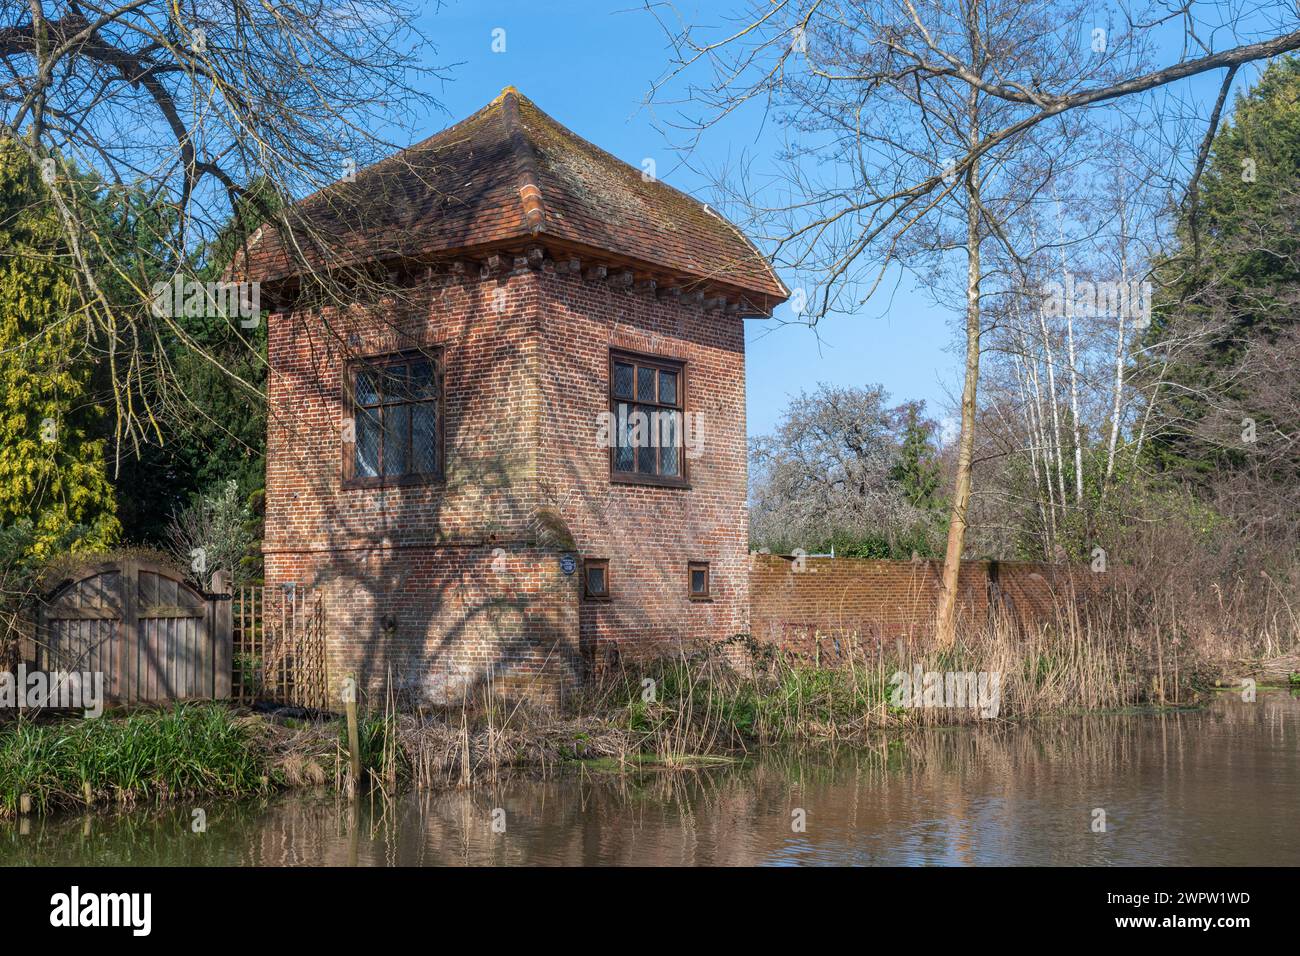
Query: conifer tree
[52, 465]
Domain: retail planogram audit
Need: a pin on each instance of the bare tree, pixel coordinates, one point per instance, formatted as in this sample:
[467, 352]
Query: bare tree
[180, 106]
[926, 129]
[828, 471]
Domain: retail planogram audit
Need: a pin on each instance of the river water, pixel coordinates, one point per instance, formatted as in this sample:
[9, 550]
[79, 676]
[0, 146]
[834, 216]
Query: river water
[1216, 786]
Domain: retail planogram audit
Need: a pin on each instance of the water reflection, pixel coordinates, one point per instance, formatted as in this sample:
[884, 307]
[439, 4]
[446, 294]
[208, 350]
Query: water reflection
[1219, 786]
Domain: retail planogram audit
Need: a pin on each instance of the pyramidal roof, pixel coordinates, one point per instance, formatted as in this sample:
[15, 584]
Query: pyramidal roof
[509, 176]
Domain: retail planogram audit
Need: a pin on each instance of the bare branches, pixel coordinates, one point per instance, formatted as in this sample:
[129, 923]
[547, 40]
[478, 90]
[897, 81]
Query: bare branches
[1202, 155]
[831, 472]
[180, 107]
[869, 89]
[920, 129]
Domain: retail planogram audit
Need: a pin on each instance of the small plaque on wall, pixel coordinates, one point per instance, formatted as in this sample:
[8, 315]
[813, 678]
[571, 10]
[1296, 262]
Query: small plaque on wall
[568, 564]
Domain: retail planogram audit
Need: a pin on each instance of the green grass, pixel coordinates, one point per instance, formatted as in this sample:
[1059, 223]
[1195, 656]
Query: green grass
[732, 710]
[379, 746]
[190, 750]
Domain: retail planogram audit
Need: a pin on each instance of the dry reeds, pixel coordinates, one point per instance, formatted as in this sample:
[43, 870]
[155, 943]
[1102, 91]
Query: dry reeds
[1099, 653]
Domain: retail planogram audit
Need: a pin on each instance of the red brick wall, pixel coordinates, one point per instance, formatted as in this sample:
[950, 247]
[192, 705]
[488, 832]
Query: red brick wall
[413, 580]
[446, 588]
[805, 611]
[647, 533]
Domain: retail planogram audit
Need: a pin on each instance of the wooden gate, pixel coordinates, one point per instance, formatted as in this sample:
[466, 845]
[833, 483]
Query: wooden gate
[279, 647]
[152, 636]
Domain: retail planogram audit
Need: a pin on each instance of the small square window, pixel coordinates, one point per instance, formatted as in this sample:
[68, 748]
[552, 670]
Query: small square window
[595, 579]
[697, 574]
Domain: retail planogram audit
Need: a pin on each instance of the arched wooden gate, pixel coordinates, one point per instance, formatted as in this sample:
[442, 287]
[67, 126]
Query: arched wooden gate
[152, 636]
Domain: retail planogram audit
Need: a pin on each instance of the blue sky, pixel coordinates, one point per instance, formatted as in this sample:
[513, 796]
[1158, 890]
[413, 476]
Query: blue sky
[590, 65]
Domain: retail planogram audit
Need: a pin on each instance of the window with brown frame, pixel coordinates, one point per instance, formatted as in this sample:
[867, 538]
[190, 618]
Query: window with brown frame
[395, 411]
[595, 579]
[697, 580]
[647, 403]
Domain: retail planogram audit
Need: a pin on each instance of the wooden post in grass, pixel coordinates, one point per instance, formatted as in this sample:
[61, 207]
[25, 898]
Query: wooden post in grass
[354, 736]
[25, 804]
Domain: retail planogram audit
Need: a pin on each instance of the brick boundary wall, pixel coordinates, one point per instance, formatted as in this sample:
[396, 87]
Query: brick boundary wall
[809, 611]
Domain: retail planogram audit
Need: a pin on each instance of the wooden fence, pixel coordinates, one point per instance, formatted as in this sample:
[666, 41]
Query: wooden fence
[155, 637]
[279, 646]
[152, 636]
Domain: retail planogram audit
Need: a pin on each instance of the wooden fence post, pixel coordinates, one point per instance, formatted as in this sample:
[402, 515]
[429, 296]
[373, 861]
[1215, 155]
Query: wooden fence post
[223, 637]
[354, 737]
[130, 581]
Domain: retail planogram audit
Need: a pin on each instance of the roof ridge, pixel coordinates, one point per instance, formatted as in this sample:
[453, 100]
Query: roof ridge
[530, 190]
[511, 174]
[395, 158]
[656, 183]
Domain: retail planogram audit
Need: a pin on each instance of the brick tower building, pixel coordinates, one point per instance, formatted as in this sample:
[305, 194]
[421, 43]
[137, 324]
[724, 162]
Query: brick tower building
[522, 454]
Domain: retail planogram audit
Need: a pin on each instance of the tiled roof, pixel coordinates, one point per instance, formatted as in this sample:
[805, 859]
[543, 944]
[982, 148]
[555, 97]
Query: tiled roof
[506, 175]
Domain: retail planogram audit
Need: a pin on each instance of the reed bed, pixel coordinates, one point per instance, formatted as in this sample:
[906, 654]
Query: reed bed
[702, 704]
[727, 698]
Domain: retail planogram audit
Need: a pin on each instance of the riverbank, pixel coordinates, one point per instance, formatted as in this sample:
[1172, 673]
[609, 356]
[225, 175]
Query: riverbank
[997, 793]
[721, 701]
[190, 750]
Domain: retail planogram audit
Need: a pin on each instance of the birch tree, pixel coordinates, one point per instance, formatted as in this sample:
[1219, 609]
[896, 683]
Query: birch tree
[917, 130]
